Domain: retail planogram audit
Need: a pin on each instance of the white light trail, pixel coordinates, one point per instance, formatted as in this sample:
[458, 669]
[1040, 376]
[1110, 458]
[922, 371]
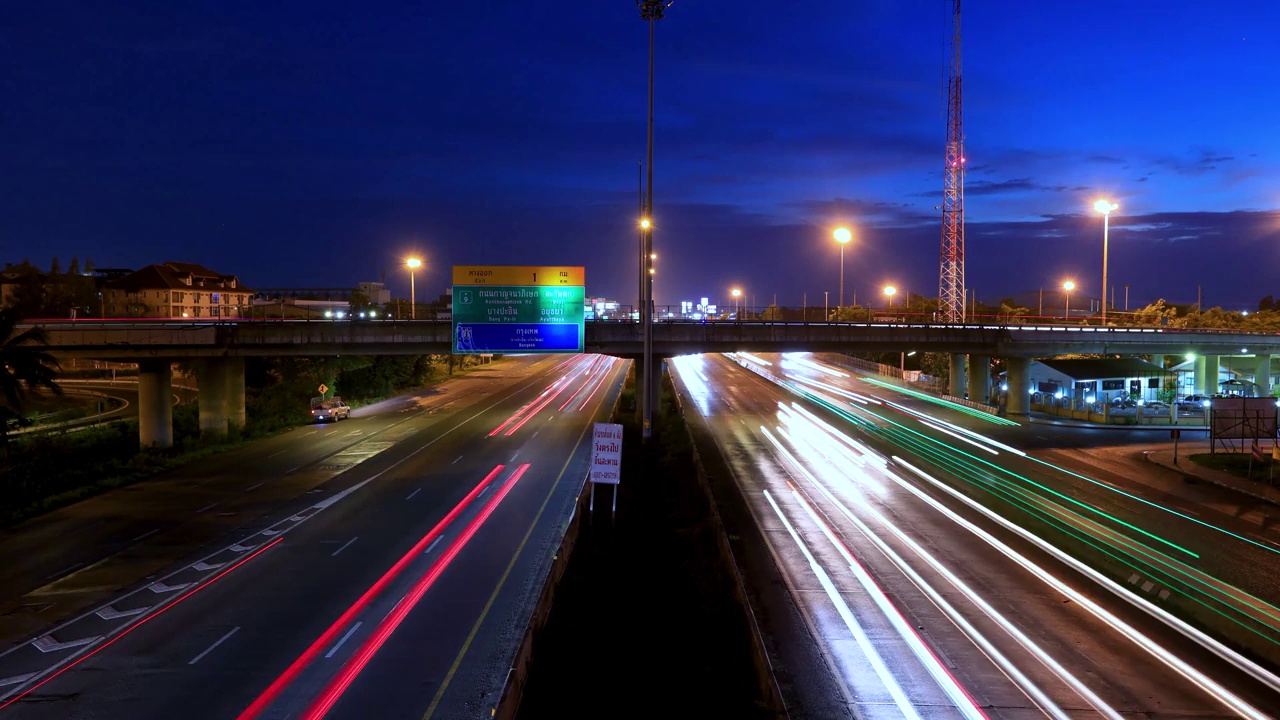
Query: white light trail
[1205, 683]
[959, 697]
[859, 635]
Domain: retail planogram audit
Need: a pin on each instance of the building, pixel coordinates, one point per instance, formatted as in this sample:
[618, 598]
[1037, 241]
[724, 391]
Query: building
[176, 290]
[1099, 379]
[377, 293]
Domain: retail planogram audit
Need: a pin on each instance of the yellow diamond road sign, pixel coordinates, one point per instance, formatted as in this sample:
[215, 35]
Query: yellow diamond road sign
[323, 388]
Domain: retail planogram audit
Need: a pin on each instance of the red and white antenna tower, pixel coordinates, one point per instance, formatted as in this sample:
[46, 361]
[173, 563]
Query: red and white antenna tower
[951, 291]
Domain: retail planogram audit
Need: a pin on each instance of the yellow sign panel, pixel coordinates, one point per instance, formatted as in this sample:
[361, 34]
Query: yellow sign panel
[518, 275]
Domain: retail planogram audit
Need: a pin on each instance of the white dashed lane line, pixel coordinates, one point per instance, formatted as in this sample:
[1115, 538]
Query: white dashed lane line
[344, 546]
[209, 649]
[415, 492]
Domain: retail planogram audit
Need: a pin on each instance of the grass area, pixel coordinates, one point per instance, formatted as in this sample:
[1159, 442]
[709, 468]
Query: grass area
[1236, 464]
[646, 596]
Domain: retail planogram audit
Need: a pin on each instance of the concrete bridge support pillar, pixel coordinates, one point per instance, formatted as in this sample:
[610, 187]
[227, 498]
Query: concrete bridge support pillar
[1198, 376]
[221, 382]
[1018, 397]
[1262, 375]
[655, 391]
[956, 385]
[979, 378]
[1212, 368]
[235, 392]
[155, 404]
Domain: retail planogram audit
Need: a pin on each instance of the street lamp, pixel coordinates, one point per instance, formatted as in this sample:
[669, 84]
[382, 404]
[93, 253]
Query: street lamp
[842, 236]
[1067, 287]
[1105, 207]
[737, 303]
[651, 11]
[889, 292]
[413, 263]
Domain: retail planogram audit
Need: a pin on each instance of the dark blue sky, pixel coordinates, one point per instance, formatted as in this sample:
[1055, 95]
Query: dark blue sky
[317, 143]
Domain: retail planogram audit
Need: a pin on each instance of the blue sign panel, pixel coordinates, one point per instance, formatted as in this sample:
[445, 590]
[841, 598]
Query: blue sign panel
[517, 338]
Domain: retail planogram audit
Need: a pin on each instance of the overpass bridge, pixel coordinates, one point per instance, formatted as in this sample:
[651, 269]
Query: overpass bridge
[218, 348]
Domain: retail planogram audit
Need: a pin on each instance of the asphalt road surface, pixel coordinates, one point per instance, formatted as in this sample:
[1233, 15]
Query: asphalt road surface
[897, 524]
[384, 566]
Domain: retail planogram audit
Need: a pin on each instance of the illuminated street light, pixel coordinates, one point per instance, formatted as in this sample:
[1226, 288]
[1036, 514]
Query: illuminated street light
[889, 292]
[737, 303]
[645, 224]
[653, 256]
[1105, 207]
[842, 236]
[413, 263]
[1067, 287]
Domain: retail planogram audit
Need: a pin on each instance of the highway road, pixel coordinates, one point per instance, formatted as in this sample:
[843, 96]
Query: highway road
[379, 567]
[946, 571]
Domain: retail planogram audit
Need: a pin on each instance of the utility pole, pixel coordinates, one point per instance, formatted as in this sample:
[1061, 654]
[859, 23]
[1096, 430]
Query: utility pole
[1041, 313]
[651, 11]
[1126, 298]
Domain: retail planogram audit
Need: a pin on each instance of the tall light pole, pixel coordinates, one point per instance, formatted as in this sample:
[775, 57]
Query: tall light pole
[737, 303]
[1105, 207]
[651, 11]
[1067, 287]
[842, 236]
[412, 263]
[889, 292]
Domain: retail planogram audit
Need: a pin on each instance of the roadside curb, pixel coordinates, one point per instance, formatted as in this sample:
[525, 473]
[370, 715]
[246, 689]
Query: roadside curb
[1263, 493]
[1099, 426]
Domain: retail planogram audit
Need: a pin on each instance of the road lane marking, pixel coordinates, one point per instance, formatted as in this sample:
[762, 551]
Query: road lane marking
[466, 645]
[210, 506]
[415, 492]
[64, 571]
[435, 542]
[513, 457]
[209, 649]
[343, 639]
[535, 434]
[455, 462]
[344, 546]
[146, 534]
[278, 452]
[251, 488]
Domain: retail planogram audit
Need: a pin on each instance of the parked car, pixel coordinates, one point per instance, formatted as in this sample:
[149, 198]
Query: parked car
[1193, 402]
[331, 410]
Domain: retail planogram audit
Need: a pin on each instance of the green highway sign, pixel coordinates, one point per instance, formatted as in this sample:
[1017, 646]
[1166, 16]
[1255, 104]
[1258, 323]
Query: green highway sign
[518, 319]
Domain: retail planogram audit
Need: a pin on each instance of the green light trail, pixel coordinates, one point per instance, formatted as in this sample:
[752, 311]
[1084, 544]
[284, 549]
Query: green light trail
[995, 419]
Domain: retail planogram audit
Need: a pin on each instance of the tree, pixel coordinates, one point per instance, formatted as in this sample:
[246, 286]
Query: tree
[74, 267]
[23, 368]
[55, 267]
[772, 313]
[1267, 303]
[848, 313]
[1158, 314]
[88, 266]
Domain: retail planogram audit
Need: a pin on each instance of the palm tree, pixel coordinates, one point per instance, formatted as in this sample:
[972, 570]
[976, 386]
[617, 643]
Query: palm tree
[22, 367]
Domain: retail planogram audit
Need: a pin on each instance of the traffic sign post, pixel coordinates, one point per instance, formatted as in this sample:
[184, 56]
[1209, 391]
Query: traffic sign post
[535, 318]
[606, 461]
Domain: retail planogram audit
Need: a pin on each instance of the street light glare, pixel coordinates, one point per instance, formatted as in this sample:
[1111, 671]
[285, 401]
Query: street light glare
[1105, 206]
[890, 290]
[735, 292]
[842, 235]
[1068, 286]
[653, 256]
[644, 223]
[414, 263]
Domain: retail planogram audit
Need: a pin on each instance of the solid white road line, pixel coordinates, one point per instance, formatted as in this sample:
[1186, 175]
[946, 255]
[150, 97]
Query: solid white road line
[344, 546]
[209, 649]
[337, 645]
[435, 542]
[415, 492]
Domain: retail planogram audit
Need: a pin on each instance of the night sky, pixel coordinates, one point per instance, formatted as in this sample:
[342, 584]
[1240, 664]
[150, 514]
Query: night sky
[317, 144]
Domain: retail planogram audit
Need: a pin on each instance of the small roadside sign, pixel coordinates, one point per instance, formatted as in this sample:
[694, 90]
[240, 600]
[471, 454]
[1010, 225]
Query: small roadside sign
[323, 388]
[606, 453]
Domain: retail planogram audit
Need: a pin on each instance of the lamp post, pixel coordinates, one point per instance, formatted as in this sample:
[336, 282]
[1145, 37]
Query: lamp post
[737, 304]
[1105, 207]
[1067, 287]
[842, 236]
[889, 292]
[650, 11]
[412, 263]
